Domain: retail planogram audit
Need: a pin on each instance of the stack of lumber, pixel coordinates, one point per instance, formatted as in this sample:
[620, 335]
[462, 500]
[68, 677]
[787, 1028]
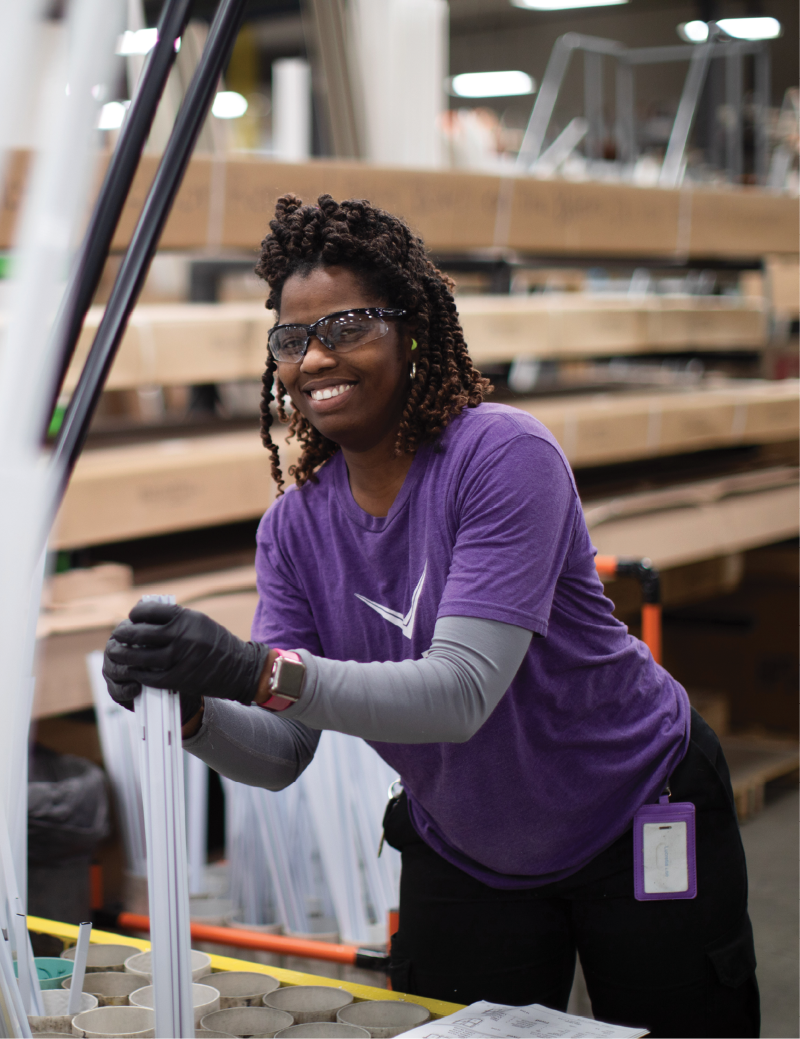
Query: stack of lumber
[605, 428]
[501, 328]
[172, 344]
[675, 526]
[702, 520]
[145, 489]
[228, 203]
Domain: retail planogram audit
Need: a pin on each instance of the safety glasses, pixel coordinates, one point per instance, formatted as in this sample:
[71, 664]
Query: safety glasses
[342, 331]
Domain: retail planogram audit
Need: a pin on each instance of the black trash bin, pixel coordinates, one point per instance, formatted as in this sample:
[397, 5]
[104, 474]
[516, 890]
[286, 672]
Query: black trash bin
[68, 816]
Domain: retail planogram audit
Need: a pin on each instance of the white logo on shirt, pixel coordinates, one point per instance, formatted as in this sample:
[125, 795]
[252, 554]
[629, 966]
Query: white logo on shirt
[405, 624]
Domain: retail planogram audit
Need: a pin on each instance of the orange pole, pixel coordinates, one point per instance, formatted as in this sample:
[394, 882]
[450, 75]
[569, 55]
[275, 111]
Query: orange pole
[277, 943]
[606, 565]
[651, 628]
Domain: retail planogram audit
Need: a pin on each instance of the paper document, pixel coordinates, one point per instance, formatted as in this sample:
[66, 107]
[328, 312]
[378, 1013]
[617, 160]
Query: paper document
[496, 1021]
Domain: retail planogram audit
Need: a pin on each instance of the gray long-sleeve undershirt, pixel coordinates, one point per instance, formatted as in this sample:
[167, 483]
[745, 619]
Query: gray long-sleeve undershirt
[443, 698]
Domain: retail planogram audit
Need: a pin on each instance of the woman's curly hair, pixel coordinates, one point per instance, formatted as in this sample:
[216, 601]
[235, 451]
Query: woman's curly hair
[381, 249]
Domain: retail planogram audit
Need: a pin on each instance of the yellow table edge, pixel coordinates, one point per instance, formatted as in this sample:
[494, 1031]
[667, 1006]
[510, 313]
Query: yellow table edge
[68, 933]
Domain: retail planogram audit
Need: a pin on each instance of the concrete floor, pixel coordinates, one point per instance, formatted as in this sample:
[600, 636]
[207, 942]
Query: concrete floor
[771, 845]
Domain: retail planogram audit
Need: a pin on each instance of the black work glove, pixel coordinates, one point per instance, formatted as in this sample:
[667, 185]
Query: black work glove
[170, 647]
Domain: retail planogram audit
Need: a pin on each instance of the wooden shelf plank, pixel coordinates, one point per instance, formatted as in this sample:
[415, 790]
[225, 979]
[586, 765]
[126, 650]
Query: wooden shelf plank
[605, 428]
[142, 490]
[175, 344]
[181, 343]
[458, 211]
[674, 537]
[573, 325]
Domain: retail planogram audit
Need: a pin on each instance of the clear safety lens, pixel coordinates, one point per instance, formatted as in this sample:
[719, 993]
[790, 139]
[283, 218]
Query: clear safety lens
[343, 332]
[350, 330]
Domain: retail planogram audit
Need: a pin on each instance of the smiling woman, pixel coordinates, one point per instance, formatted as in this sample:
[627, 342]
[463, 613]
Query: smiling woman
[428, 584]
[333, 257]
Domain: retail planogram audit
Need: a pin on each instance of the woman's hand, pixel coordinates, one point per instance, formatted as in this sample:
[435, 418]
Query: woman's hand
[170, 647]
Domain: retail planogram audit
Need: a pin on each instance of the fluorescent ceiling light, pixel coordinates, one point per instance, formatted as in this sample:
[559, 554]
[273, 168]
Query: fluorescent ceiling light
[112, 115]
[693, 32]
[738, 28]
[140, 41]
[751, 28]
[563, 5]
[229, 105]
[491, 84]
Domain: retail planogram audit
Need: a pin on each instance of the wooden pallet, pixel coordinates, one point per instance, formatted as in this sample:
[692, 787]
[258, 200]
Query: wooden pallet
[755, 760]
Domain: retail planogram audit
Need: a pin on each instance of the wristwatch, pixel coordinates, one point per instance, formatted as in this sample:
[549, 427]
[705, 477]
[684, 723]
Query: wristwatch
[285, 681]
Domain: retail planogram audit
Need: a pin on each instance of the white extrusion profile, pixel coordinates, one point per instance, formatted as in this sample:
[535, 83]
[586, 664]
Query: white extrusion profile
[26, 989]
[400, 53]
[158, 715]
[12, 1012]
[291, 109]
[120, 746]
[52, 215]
[79, 969]
[197, 822]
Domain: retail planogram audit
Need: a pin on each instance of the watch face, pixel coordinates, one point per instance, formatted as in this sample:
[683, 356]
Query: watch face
[287, 678]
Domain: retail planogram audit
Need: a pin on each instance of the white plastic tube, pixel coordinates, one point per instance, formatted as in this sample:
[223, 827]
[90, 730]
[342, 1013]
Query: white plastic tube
[52, 213]
[291, 109]
[120, 748]
[79, 969]
[197, 822]
[158, 714]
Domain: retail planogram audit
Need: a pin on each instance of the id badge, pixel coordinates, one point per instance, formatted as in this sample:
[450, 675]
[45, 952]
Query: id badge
[664, 863]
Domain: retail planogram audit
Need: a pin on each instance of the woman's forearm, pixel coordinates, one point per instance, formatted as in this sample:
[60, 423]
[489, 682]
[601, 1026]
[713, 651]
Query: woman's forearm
[443, 698]
[251, 745]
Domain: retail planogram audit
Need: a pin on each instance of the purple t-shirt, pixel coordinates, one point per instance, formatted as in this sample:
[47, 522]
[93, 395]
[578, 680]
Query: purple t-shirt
[487, 524]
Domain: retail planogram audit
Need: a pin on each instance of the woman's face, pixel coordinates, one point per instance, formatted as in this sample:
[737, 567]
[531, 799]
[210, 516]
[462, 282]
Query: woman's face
[372, 379]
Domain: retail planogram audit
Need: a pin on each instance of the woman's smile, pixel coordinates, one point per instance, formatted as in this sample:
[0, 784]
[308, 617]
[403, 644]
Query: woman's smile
[355, 398]
[326, 395]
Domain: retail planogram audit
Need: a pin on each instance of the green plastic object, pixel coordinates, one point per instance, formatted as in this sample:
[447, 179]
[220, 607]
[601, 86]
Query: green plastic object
[51, 970]
[56, 420]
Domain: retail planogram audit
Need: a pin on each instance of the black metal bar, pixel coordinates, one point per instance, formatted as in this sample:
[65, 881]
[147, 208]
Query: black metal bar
[188, 124]
[87, 266]
[647, 576]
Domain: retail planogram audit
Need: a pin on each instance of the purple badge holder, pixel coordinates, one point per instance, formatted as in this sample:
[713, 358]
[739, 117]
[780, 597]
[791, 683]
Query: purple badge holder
[663, 816]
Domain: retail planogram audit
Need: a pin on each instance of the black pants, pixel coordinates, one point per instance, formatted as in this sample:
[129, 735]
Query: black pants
[678, 967]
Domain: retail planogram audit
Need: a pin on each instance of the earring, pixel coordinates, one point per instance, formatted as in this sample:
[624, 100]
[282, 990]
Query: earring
[413, 371]
[413, 344]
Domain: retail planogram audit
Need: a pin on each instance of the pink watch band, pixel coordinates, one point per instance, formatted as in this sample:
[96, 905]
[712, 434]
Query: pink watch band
[280, 703]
